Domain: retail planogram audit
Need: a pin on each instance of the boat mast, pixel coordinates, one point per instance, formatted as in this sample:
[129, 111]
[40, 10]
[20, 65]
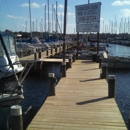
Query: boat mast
[26, 26]
[61, 23]
[30, 19]
[64, 34]
[45, 21]
[48, 19]
[36, 25]
[52, 18]
[56, 19]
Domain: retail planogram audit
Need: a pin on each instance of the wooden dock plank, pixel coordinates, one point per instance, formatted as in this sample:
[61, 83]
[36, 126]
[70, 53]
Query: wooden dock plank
[54, 60]
[81, 103]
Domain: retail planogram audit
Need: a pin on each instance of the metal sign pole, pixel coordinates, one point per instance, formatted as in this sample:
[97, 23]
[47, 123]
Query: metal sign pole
[87, 35]
[64, 36]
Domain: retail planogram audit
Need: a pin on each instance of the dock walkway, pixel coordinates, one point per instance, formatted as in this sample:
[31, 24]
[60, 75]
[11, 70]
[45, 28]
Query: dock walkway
[81, 103]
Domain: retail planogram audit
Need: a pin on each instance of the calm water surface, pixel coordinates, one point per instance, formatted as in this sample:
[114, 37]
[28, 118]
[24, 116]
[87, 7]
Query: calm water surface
[35, 89]
[122, 81]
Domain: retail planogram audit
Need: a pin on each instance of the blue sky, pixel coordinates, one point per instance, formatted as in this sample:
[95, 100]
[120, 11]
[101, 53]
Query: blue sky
[15, 13]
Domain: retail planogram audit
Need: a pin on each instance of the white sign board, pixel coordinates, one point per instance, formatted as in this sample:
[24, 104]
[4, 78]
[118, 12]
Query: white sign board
[89, 27]
[88, 12]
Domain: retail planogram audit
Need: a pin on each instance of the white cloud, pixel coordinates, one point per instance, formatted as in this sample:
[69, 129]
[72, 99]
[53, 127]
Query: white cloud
[24, 5]
[33, 5]
[101, 18]
[23, 25]
[14, 17]
[61, 13]
[125, 12]
[121, 3]
[61, 6]
[11, 16]
[68, 14]
[69, 24]
[71, 14]
[43, 5]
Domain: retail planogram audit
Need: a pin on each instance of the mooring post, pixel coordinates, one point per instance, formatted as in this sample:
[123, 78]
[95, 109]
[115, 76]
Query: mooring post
[51, 51]
[100, 61]
[74, 57]
[16, 117]
[47, 51]
[94, 57]
[70, 65]
[111, 86]
[56, 49]
[35, 55]
[63, 69]
[29, 52]
[39, 54]
[103, 70]
[98, 56]
[42, 49]
[52, 84]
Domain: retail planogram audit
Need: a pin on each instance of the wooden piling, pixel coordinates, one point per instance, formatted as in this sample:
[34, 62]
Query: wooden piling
[74, 57]
[69, 64]
[35, 55]
[100, 61]
[63, 69]
[16, 117]
[47, 52]
[39, 55]
[52, 84]
[103, 70]
[51, 51]
[111, 86]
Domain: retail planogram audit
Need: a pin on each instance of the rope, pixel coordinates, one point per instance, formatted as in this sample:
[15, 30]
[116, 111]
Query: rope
[11, 14]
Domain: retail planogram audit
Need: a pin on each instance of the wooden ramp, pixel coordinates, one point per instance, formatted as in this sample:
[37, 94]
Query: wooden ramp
[81, 103]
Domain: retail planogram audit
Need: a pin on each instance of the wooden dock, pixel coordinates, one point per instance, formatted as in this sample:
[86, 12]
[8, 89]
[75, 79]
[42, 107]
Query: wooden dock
[81, 103]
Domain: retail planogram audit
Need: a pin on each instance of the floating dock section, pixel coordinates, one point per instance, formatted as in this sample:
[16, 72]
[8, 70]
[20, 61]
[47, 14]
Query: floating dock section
[81, 103]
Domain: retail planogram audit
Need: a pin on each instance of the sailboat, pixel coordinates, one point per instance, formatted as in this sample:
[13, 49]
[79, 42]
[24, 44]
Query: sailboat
[9, 65]
[8, 56]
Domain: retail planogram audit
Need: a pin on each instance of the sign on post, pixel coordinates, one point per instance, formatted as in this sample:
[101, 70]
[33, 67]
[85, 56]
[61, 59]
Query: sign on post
[88, 13]
[89, 27]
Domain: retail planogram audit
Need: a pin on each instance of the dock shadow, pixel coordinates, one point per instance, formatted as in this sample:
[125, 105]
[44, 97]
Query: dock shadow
[87, 62]
[91, 69]
[92, 101]
[89, 80]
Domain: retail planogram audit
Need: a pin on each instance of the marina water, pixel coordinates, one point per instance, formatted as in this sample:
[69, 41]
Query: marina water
[36, 87]
[122, 81]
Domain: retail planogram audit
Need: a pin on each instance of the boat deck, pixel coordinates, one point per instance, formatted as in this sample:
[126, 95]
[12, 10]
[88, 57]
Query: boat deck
[81, 103]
